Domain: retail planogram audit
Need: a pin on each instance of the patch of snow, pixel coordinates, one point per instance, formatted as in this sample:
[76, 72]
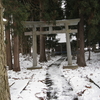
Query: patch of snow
[77, 79]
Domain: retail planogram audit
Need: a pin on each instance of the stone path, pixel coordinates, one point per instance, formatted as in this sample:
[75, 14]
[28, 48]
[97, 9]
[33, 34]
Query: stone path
[57, 91]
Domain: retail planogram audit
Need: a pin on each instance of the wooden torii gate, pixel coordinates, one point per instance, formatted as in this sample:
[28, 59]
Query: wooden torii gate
[50, 30]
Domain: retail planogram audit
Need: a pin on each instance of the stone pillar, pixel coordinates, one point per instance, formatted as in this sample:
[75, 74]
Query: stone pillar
[68, 47]
[34, 48]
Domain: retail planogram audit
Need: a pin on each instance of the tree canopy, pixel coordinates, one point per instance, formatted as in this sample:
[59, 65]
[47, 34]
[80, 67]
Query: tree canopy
[90, 11]
[15, 12]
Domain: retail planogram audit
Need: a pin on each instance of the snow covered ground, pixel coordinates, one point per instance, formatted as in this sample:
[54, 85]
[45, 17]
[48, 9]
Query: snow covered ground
[30, 84]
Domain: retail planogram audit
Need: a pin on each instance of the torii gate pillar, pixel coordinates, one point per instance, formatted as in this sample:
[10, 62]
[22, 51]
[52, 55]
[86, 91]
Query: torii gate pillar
[69, 56]
[34, 48]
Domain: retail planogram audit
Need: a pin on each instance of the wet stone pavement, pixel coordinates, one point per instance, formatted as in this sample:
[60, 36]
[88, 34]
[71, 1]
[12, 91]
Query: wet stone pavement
[57, 91]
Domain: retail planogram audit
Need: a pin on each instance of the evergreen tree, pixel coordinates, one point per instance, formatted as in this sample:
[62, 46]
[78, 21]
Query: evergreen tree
[48, 12]
[19, 13]
[8, 48]
[89, 11]
[51, 41]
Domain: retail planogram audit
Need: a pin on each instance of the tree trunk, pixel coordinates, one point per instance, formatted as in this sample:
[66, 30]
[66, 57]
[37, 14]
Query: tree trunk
[16, 53]
[89, 49]
[78, 54]
[38, 44]
[42, 49]
[28, 47]
[42, 38]
[81, 59]
[89, 57]
[24, 43]
[4, 87]
[20, 45]
[8, 50]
